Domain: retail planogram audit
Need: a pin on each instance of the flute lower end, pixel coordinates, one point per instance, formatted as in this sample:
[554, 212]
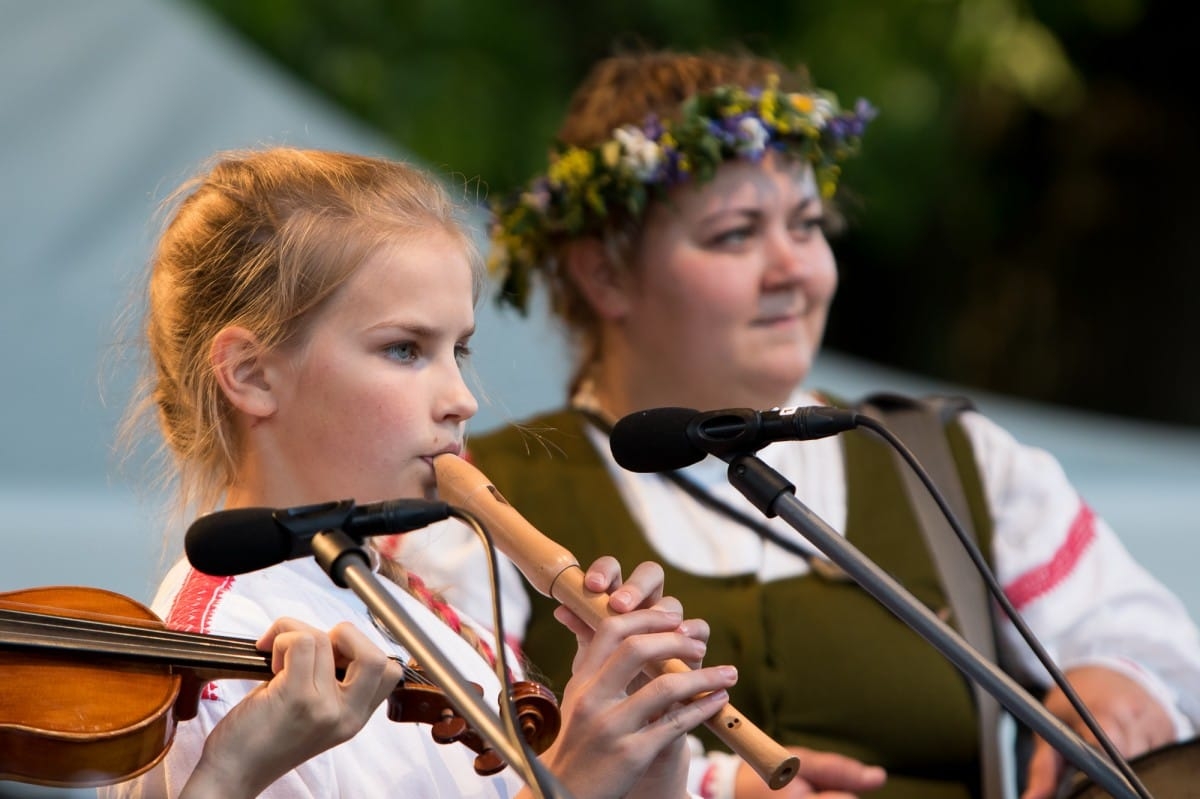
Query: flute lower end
[784, 773]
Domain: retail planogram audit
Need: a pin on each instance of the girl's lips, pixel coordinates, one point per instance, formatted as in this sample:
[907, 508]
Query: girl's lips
[453, 449]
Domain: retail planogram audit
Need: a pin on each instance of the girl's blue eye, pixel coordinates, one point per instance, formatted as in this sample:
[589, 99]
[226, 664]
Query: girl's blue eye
[403, 351]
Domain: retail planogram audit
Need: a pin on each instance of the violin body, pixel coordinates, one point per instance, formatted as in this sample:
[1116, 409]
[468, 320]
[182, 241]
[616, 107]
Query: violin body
[67, 720]
[94, 685]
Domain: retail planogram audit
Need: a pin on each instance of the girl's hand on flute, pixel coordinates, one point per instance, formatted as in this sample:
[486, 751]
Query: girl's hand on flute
[616, 720]
[644, 588]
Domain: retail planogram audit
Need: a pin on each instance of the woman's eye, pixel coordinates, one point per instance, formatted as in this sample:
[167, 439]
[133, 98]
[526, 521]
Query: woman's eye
[810, 225]
[462, 353]
[403, 351]
[732, 237]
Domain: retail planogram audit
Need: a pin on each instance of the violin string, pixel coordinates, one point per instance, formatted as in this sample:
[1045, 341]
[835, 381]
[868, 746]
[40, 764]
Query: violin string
[46, 631]
[107, 631]
[129, 630]
[148, 641]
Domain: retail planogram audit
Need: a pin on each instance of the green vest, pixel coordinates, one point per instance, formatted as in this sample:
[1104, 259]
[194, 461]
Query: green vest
[821, 664]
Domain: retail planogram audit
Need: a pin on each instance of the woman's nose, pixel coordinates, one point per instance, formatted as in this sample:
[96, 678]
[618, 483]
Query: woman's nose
[786, 258]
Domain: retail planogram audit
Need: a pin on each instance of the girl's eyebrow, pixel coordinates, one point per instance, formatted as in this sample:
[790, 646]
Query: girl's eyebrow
[419, 330]
[415, 328]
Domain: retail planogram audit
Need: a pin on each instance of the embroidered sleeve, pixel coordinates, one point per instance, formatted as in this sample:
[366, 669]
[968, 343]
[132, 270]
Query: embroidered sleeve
[1082, 594]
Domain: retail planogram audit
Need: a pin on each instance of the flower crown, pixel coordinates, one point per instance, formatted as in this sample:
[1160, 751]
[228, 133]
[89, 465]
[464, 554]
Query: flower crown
[584, 188]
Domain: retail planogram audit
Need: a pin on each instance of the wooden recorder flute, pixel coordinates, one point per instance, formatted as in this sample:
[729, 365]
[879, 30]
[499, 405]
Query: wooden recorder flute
[555, 572]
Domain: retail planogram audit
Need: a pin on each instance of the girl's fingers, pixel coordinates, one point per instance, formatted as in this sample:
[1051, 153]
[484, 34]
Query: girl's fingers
[266, 641]
[305, 661]
[683, 717]
[616, 658]
[370, 674]
[674, 704]
[643, 589]
[603, 575]
[567, 618]
[697, 629]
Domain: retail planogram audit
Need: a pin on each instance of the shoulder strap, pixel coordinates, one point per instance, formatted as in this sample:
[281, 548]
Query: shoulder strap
[921, 425]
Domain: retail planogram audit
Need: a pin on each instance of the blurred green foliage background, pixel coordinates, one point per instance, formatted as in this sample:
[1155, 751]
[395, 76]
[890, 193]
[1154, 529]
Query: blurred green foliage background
[1021, 218]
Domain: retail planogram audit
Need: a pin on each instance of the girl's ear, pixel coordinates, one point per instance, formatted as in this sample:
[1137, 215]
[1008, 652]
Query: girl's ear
[239, 363]
[602, 283]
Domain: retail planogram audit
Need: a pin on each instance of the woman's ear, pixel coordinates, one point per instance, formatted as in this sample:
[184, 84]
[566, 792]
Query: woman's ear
[238, 361]
[604, 284]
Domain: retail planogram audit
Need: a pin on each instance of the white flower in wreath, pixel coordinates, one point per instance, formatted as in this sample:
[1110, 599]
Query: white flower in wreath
[537, 198]
[639, 155]
[752, 136]
[823, 111]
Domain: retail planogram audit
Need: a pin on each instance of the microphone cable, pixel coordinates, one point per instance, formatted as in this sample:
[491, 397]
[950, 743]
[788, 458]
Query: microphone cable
[997, 592]
[534, 765]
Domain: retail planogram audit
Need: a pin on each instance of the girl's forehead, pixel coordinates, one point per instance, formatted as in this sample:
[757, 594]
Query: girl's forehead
[415, 278]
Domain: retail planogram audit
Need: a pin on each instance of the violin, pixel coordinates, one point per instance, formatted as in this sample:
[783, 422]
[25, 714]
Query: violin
[94, 686]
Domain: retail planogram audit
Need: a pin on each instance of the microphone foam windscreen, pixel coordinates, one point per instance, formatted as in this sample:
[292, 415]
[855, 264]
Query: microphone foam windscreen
[655, 440]
[236, 541]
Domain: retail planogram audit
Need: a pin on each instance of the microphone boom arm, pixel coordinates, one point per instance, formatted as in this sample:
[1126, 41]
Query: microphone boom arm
[772, 494]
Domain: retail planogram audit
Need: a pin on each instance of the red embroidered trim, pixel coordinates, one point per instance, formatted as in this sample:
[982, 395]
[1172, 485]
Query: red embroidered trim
[196, 602]
[446, 613]
[193, 609]
[706, 782]
[1044, 578]
[388, 545]
[514, 643]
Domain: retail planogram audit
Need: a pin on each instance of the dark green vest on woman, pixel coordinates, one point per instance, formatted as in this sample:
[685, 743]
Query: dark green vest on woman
[821, 664]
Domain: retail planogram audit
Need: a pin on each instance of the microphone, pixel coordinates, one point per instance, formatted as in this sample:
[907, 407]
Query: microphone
[664, 439]
[243, 540]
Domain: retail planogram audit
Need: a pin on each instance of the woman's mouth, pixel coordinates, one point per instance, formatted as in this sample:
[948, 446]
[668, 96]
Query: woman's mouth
[776, 320]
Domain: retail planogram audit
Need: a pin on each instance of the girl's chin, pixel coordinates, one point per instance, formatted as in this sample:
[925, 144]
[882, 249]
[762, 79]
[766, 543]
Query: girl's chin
[426, 488]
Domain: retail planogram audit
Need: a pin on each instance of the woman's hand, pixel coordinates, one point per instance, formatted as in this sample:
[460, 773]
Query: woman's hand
[823, 775]
[624, 733]
[1131, 718]
[299, 713]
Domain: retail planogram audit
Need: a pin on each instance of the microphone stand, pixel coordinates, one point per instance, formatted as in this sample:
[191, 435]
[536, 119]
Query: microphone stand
[772, 494]
[349, 567]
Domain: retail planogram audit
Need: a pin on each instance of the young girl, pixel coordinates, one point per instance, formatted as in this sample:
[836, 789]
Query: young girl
[308, 316]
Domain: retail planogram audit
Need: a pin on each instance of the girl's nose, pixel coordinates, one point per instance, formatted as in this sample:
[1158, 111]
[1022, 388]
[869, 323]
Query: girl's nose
[456, 402]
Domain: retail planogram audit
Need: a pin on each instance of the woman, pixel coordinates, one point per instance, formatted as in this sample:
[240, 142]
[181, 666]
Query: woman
[308, 317]
[680, 232]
